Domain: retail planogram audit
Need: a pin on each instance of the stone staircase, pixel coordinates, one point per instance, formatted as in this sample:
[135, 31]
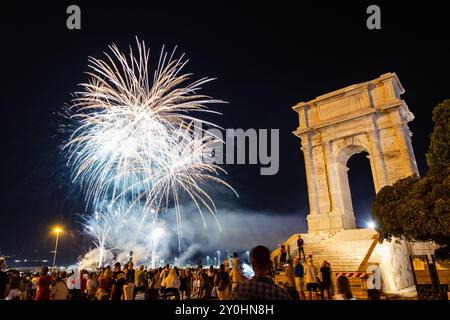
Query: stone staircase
[346, 251]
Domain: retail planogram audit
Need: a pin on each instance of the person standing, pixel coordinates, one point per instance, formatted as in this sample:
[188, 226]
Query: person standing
[283, 257]
[139, 281]
[299, 281]
[226, 263]
[59, 290]
[199, 282]
[183, 284]
[128, 288]
[261, 286]
[189, 282]
[222, 283]
[43, 291]
[83, 281]
[235, 261]
[118, 281]
[211, 275]
[91, 286]
[312, 283]
[290, 283]
[4, 280]
[344, 290]
[34, 285]
[74, 284]
[104, 284]
[374, 282]
[154, 284]
[300, 244]
[172, 279]
[236, 276]
[163, 274]
[325, 285]
[24, 287]
[14, 285]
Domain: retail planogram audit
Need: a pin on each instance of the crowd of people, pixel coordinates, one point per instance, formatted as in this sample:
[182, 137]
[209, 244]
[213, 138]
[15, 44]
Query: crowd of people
[124, 282]
[302, 276]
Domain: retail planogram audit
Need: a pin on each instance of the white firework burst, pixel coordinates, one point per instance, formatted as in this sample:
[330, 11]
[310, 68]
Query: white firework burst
[134, 137]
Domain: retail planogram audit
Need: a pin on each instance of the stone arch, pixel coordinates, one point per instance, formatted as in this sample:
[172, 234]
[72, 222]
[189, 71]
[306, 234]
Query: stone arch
[369, 117]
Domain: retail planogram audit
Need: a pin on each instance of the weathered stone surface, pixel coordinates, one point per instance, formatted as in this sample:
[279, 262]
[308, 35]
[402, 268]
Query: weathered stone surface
[369, 116]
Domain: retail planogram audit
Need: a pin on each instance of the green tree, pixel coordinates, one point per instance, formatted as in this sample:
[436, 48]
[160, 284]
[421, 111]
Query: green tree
[439, 149]
[416, 208]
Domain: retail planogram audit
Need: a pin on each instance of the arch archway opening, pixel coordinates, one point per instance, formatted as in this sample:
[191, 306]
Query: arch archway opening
[362, 187]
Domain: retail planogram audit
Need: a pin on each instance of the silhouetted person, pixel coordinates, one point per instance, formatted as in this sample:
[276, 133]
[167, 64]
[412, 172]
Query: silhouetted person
[325, 285]
[4, 280]
[344, 291]
[299, 281]
[118, 281]
[300, 250]
[283, 256]
[261, 286]
[43, 291]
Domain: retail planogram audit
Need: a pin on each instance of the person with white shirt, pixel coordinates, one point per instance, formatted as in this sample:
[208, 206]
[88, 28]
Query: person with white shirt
[312, 283]
[59, 290]
[91, 286]
[74, 284]
[374, 282]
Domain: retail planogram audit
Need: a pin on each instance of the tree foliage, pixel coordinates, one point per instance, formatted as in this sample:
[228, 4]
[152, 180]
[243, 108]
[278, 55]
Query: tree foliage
[419, 208]
[439, 149]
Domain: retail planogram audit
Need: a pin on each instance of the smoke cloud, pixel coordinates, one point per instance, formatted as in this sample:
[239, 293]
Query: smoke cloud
[241, 231]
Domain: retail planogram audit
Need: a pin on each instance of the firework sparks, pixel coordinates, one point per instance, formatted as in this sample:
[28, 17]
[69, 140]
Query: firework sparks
[133, 138]
[105, 226]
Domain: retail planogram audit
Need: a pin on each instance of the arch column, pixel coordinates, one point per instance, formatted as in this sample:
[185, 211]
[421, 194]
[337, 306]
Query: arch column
[310, 179]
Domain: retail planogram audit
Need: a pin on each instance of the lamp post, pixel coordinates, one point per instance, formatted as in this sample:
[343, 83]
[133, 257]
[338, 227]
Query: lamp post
[218, 257]
[56, 230]
[248, 257]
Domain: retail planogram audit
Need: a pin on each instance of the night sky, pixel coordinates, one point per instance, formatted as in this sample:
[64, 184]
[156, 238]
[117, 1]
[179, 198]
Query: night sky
[266, 58]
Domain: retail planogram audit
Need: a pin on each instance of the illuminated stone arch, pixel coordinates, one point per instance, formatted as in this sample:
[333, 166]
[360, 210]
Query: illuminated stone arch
[368, 117]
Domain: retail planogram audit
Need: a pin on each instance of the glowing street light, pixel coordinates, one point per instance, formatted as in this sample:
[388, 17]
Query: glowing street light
[371, 225]
[56, 230]
[248, 256]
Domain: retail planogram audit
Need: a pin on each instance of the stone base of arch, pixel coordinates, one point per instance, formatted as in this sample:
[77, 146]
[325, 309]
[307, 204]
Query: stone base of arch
[352, 251]
[330, 223]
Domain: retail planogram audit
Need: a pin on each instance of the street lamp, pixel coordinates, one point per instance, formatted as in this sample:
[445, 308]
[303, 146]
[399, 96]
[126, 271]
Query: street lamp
[218, 257]
[56, 230]
[248, 256]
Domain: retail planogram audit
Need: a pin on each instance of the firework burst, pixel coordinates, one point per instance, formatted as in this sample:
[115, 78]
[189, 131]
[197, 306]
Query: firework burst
[134, 137]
